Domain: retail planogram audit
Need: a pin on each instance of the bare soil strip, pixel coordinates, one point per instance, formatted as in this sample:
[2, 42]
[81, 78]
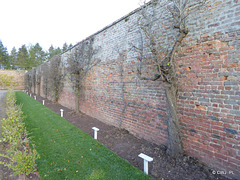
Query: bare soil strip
[129, 147]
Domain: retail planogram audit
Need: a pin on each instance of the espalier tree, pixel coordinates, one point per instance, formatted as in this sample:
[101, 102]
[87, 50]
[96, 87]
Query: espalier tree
[56, 76]
[80, 62]
[161, 50]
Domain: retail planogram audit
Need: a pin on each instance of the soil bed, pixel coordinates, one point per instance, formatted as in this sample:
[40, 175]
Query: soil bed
[128, 147]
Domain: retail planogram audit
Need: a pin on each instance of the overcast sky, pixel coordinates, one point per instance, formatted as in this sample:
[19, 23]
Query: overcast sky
[57, 21]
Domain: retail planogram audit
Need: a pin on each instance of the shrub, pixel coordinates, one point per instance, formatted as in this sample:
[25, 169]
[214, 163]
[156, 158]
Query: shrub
[6, 81]
[22, 157]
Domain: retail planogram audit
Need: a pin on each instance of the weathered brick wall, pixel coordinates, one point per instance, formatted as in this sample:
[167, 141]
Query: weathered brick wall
[209, 74]
[17, 78]
[208, 71]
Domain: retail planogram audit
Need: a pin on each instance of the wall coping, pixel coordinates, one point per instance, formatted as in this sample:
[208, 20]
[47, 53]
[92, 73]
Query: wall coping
[110, 25]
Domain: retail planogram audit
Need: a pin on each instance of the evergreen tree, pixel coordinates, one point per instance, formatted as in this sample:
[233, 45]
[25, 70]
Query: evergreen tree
[57, 51]
[52, 52]
[23, 58]
[4, 59]
[70, 46]
[13, 59]
[37, 55]
[65, 47]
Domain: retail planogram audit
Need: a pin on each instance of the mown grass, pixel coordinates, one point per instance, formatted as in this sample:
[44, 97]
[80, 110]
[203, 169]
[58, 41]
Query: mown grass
[66, 152]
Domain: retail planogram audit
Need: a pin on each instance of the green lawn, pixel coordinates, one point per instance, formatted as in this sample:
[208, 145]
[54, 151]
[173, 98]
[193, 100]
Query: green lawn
[66, 151]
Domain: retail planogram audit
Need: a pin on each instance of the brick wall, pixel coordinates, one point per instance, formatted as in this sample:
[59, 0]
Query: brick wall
[209, 100]
[17, 78]
[208, 70]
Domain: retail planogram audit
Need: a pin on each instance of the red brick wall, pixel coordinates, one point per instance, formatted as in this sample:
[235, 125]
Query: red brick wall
[209, 100]
[209, 96]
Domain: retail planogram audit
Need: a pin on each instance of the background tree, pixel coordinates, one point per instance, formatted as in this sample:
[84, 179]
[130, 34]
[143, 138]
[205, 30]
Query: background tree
[37, 55]
[70, 46]
[65, 47]
[23, 58]
[26, 58]
[162, 56]
[80, 62]
[52, 51]
[4, 59]
[13, 59]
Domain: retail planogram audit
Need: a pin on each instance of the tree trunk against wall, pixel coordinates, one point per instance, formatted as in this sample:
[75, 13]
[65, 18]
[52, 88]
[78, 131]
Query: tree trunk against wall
[175, 148]
[34, 86]
[163, 57]
[34, 80]
[46, 90]
[38, 88]
[77, 93]
[174, 134]
[55, 97]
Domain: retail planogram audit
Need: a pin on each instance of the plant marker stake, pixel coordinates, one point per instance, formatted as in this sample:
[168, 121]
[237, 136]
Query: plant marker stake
[146, 160]
[35, 97]
[95, 132]
[30, 95]
[43, 102]
[61, 110]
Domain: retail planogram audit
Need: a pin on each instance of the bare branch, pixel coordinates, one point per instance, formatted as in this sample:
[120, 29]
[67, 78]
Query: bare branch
[163, 58]
[80, 62]
[56, 77]
[156, 77]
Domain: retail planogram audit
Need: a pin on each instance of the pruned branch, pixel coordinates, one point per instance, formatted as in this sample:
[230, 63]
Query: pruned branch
[56, 76]
[156, 77]
[120, 66]
[163, 57]
[80, 62]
